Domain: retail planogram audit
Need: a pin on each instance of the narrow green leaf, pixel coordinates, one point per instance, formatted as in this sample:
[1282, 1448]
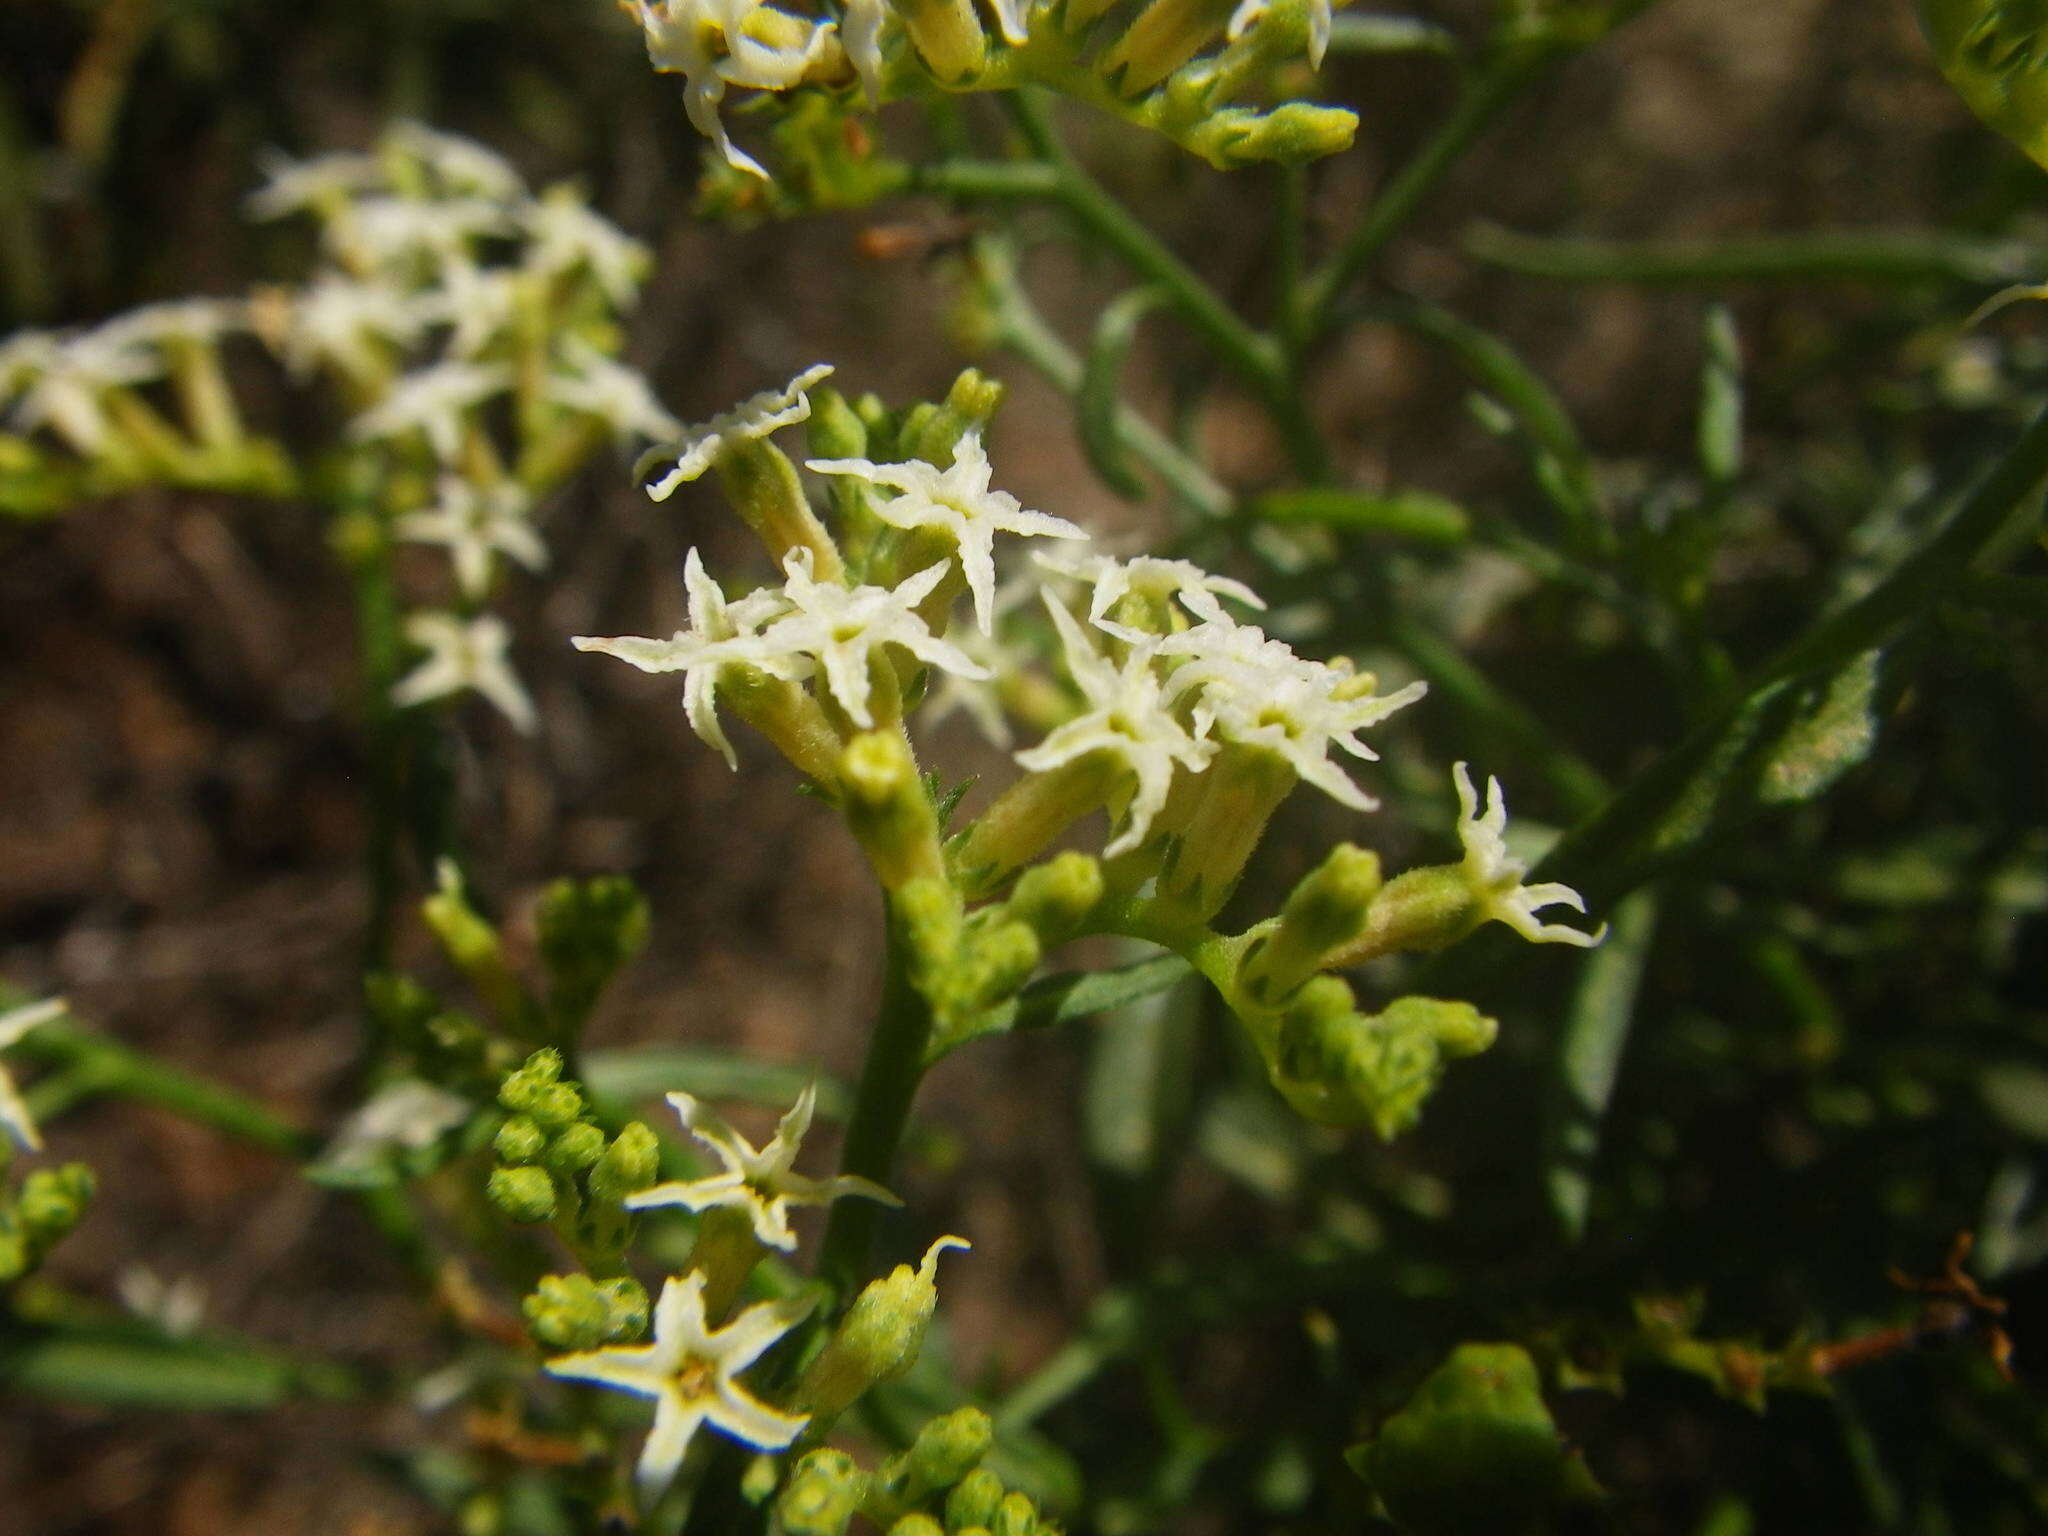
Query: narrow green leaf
[1096, 403]
[114, 1367]
[1371, 32]
[1409, 514]
[1901, 256]
[1720, 423]
[1053, 1000]
[635, 1074]
[1589, 1058]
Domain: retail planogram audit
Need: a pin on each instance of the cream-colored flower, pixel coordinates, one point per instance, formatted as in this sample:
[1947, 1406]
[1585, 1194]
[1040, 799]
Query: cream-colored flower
[176, 321]
[476, 524]
[689, 1372]
[61, 381]
[396, 233]
[1149, 577]
[1255, 691]
[958, 502]
[860, 34]
[618, 396]
[755, 417]
[840, 628]
[462, 167]
[1129, 717]
[345, 323]
[294, 186]
[564, 234]
[716, 43]
[14, 1023]
[1495, 875]
[763, 1183]
[479, 305]
[721, 634]
[464, 654]
[435, 402]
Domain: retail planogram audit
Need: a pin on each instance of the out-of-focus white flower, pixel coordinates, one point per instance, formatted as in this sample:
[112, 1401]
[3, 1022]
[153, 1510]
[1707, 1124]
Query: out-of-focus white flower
[763, 1184]
[480, 305]
[688, 1371]
[14, 1023]
[291, 186]
[464, 653]
[435, 402]
[177, 1307]
[753, 418]
[175, 320]
[841, 627]
[461, 166]
[616, 395]
[1495, 875]
[1128, 716]
[384, 234]
[709, 43]
[1110, 580]
[860, 33]
[564, 234]
[977, 697]
[347, 323]
[475, 524]
[721, 634]
[60, 381]
[958, 502]
[406, 1116]
[1257, 692]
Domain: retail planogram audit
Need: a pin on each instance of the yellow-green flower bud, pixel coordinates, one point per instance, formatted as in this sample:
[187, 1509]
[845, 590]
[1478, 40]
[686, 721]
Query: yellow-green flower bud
[1326, 911]
[822, 1495]
[630, 1164]
[974, 1500]
[879, 1337]
[917, 1525]
[557, 1104]
[575, 1147]
[52, 1201]
[1239, 792]
[568, 1312]
[888, 809]
[587, 929]
[945, 1450]
[763, 487]
[473, 945]
[523, 1194]
[930, 915]
[1165, 36]
[1339, 1068]
[14, 1253]
[1421, 910]
[1027, 816]
[948, 37]
[519, 1140]
[1055, 898]
[835, 430]
[1015, 1516]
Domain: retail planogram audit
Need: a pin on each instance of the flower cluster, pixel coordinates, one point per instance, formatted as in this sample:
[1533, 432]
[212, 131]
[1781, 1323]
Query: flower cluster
[1181, 67]
[49, 1202]
[1168, 710]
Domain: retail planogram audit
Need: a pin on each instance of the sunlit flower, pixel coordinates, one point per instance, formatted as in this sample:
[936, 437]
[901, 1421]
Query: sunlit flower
[688, 1370]
[763, 1183]
[435, 402]
[756, 417]
[1129, 717]
[1110, 580]
[721, 634]
[1495, 875]
[564, 234]
[291, 186]
[616, 395]
[840, 628]
[977, 698]
[475, 524]
[176, 320]
[60, 381]
[381, 233]
[958, 502]
[480, 305]
[463, 654]
[461, 166]
[14, 1023]
[347, 323]
[710, 44]
[1256, 691]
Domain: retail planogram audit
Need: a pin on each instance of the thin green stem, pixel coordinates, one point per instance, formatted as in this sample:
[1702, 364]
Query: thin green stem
[1887, 256]
[889, 1080]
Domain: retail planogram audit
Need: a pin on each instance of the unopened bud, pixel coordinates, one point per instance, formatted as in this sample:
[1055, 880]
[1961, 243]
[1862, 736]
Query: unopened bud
[53, 1201]
[948, 37]
[945, 1450]
[1015, 1516]
[575, 1147]
[630, 1164]
[879, 1337]
[1423, 909]
[822, 1495]
[1326, 911]
[523, 1194]
[519, 1140]
[888, 809]
[917, 1525]
[472, 944]
[1055, 898]
[974, 1500]
[587, 929]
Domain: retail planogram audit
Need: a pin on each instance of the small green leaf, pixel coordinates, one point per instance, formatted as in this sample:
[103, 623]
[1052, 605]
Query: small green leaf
[1720, 424]
[1409, 514]
[119, 1367]
[1096, 402]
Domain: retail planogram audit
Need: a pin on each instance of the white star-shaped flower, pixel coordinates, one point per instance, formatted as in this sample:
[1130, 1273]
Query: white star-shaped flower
[290, 186]
[434, 402]
[1111, 580]
[688, 1371]
[461, 166]
[763, 1183]
[616, 395]
[60, 380]
[386, 233]
[840, 627]
[176, 320]
[721, 634]
[565, 234]
[701, 446]
[1128, 716]
[708, 43]
[1495, 875]
[14, 1023]
[958, 502]
[409, 1115]
[464, 653]
[480, 305]
[475, 524]
[1257, 692]
[346, 323]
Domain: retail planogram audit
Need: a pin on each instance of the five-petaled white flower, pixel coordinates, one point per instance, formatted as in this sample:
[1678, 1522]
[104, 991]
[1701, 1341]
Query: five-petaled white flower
[1257, 692]
[721, 634]
[1128, 716]
[564, 234]
[958, 502]
[763, 1184]
[1495, 875]
[1147, 576]
[464, 653]
[701, 446]
[616, 395]
[709, 43]
[688, 1371]
[434, 402]
[14, 1023]
[840, 628]
[476, 523]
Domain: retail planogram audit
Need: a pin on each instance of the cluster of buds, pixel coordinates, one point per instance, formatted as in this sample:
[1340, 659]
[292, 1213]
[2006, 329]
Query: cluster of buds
[935, 1487]
[687, 1351]
[1169, 712]
[50, 1201]
[1184, 68]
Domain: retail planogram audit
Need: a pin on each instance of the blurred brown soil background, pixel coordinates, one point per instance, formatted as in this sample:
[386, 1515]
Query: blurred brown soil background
[180, 827]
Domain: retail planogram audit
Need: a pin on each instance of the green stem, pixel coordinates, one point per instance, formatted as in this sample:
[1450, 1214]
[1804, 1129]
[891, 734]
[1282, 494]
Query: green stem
[380, 649]
[1889, 256]
[889, 1080]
